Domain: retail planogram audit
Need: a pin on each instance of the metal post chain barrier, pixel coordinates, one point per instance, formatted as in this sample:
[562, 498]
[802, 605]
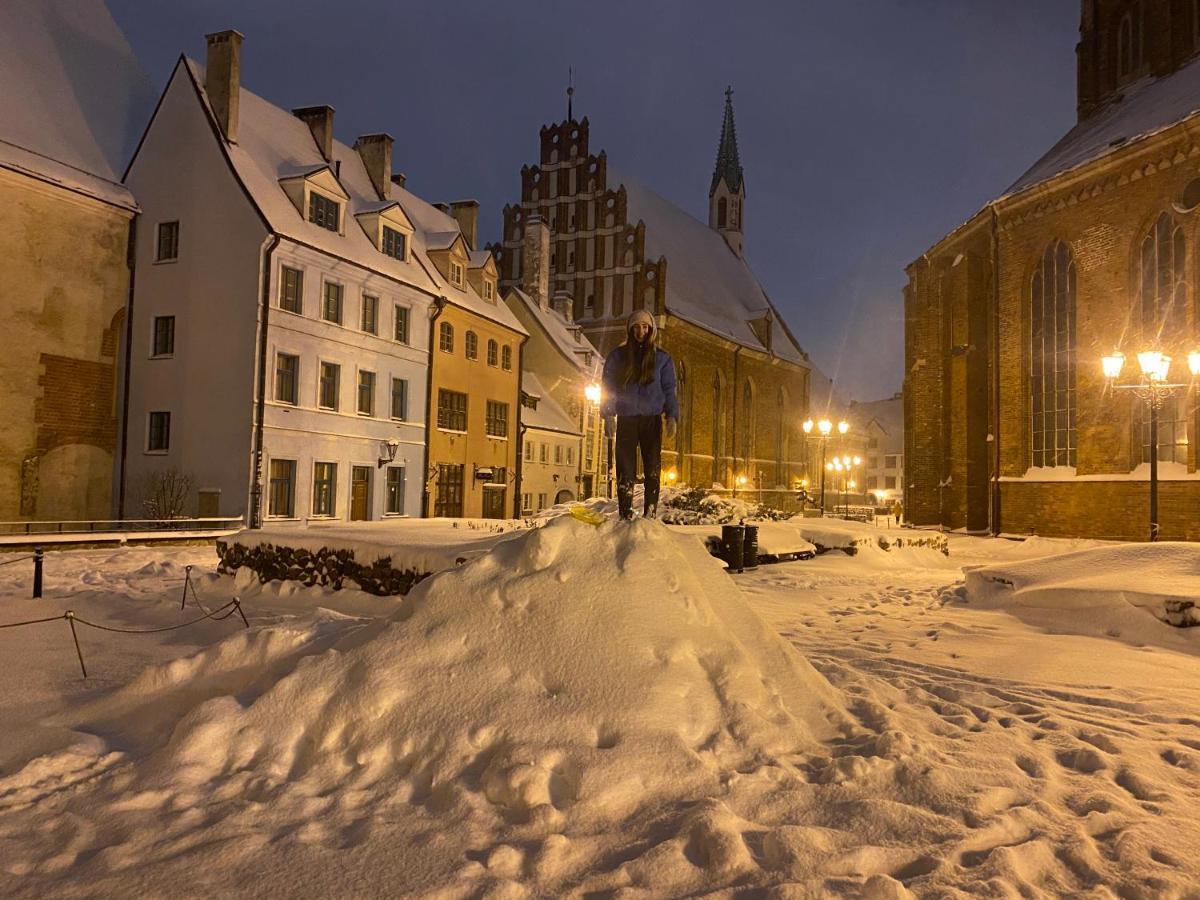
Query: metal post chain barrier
[38, 556]
[9, 562]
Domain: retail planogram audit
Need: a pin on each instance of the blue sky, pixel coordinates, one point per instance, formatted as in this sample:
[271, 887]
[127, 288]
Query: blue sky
[867, 128]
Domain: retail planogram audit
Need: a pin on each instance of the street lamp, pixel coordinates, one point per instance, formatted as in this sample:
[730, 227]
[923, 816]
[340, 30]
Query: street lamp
[824, 428]
[592, 394]
[1153, 389]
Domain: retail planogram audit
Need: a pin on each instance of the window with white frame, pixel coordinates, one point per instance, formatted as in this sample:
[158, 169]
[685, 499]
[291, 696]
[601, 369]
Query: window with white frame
[452, 410]
[324, 212]
[158, 432]
[394, 243]
[400, 333]
[395, 491]
[168, 242]
[493, 350]
[281, 494]
[446, 337]
[471, 345]
[329, 385]
[291, 289]
[164, 336]
[506, 358]
[526, 504]
[497, 419]
[456, 273]
[331, 304]
[324, 494]
[370, 314]
[366, 393]
[399, 398]
[287, 378]
[558, 454]
[542, 453]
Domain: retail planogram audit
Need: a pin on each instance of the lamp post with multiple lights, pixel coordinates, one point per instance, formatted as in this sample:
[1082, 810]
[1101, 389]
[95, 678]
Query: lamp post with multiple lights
[844, 467]
[824, 431]
[1154, 390]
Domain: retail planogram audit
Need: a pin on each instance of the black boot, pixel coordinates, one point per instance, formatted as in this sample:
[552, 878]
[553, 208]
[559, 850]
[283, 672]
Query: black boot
[650, 496]
[625, 499]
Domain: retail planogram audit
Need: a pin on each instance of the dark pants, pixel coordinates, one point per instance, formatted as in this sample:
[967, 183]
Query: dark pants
[638, 433]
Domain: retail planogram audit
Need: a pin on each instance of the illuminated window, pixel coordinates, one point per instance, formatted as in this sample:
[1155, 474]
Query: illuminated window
[1052, 358]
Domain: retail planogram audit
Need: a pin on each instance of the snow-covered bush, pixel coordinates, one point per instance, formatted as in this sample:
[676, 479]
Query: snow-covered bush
[697, 506]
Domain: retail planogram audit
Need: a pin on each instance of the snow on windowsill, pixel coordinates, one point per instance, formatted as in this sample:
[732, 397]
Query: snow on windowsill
[1167, 471]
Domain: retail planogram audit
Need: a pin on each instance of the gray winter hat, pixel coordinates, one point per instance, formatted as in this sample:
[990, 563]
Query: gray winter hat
[642, 317]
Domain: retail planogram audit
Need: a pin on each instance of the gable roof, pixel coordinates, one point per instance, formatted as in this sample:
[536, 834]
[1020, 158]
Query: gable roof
[273, 144]
[707, 283]
[73, 98]
[888, 414]
[1147, 106]
[548, 415]
[567, 338]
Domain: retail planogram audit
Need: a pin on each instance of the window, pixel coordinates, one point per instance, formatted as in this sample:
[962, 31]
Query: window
[331, 375]
[366, 393]
[452, 410]
[399, 398]
[873, 443]
[323, 211]
[526, 504]
[506, 358]
[541, 502]
[497, 419]
[472, 345]
[395, 491]
[401, 330]
[1052, 370]
[493, 348]
[872, 482]
[324, 489]
[570, 456]
[889, 482]
[168, 242]
[722, 212]
[393, 243]
[164, 336]
[542, 451]
[558, 454]
[287, 371]
[449, 500]
[872, 462]
[456, 273]
[489, 290]
[889, 462]
[281, 496]
[331, 308]
[1172, 431]
[158, 437]
[528, 451]
[370, 314]
[1130, 43]
[291, 289]
[446, 337]
[1162, 281]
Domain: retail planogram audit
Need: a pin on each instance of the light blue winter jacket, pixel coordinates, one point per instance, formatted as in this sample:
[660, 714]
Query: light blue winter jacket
[637, 399]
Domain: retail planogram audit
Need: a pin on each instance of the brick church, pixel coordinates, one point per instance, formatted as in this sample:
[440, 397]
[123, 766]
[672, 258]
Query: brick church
[603, 245]
[1011, 426]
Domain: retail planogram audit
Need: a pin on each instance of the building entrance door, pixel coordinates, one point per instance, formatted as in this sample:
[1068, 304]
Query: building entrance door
[493, 503]
[360, 493]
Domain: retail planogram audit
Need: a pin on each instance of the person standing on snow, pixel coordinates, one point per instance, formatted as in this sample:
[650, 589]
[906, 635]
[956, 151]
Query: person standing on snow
[639, 389]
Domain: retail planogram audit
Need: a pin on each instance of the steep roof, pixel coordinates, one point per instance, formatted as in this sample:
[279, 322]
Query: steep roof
[707, 283]
[548, 415]
[273, 144]
[888, 414]
[73, 98]
[568, 338]
[728, 166]
[1146, 107]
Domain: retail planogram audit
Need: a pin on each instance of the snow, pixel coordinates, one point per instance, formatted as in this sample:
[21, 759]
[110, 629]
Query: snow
[73, 99]
[1167, 471]
[604, 710]
[568, 338]
[548, 415]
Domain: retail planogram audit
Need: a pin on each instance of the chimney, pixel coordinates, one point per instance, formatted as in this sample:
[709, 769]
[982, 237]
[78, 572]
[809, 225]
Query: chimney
[223, 79]
[535, 261]
[398, 179]
[564, 305]
[466, 212]
[319, 120]
[376, 153]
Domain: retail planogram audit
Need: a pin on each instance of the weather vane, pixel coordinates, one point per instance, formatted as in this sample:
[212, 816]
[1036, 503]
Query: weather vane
[570, 92]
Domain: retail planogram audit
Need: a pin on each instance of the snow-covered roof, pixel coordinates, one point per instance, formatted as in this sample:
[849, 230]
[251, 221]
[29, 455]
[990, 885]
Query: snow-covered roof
[707, 283]
[73, 98]
[548, 416]
[1146, 107]
[888, 414]
[274, 144]
[568, 338]
[479, 258]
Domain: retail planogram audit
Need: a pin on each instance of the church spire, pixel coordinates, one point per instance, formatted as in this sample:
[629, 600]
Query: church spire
[727, 193]
[729, 166]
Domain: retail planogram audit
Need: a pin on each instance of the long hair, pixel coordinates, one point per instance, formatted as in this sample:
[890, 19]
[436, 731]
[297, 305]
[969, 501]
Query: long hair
[630, 372]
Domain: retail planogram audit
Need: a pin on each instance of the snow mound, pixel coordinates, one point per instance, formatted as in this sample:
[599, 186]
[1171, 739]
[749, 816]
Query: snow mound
[574, 678]
[1107, 589]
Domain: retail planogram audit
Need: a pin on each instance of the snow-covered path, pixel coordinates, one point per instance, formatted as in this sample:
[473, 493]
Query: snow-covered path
[990, 753]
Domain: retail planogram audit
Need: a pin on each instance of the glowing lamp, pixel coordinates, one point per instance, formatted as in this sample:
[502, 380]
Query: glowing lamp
[741, 480]
[825, 426]
[804, 482]
[852, 484]
[807, 426]
[843, 427]
[671, 475]
[592, 393]
[1112, 365]
[1194, 363]
[858, 460]
[829, 467]
[1154, 364]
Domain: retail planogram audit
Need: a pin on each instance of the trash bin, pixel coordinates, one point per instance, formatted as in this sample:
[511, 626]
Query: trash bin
[750, 547]
[733, 538]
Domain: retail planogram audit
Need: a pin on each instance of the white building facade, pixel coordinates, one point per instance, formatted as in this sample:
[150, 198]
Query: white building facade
[280, 350]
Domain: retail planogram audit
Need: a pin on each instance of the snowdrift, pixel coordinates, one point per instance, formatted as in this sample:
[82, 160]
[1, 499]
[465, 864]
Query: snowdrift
[1118, 590]
[573, 678]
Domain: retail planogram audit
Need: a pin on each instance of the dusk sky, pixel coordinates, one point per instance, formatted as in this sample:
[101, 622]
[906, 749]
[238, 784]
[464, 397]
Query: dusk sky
[867, 129]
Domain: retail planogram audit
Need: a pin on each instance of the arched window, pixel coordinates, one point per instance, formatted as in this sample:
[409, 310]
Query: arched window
[781, 479]
[1162, 305]
[748, 426]
[722, 213]
[472, 345]
[492, 350]
[1052, 358]
[1196, 24]
[716, 428]
[1131, 38]
[446, 337]
[506, 358]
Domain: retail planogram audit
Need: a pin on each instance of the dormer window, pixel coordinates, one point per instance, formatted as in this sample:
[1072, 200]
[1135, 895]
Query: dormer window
[394, 243]
[489, 290]
[456, 273]
[323, 211]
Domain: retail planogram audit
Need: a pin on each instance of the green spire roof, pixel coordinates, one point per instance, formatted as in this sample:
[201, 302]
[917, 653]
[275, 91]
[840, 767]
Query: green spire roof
[728, 166]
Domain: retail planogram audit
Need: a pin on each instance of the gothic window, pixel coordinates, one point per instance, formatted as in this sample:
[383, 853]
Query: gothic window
[780, 439]
[716, 428]
[1196, 24]
[683, 436]
[1052, 358]
[721, 212]
[748, 425]
[1131, 42]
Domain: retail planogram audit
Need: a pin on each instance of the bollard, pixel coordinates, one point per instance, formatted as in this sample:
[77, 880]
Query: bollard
[750, 547]
[187, 580]
[732, 540]
[37, 573]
